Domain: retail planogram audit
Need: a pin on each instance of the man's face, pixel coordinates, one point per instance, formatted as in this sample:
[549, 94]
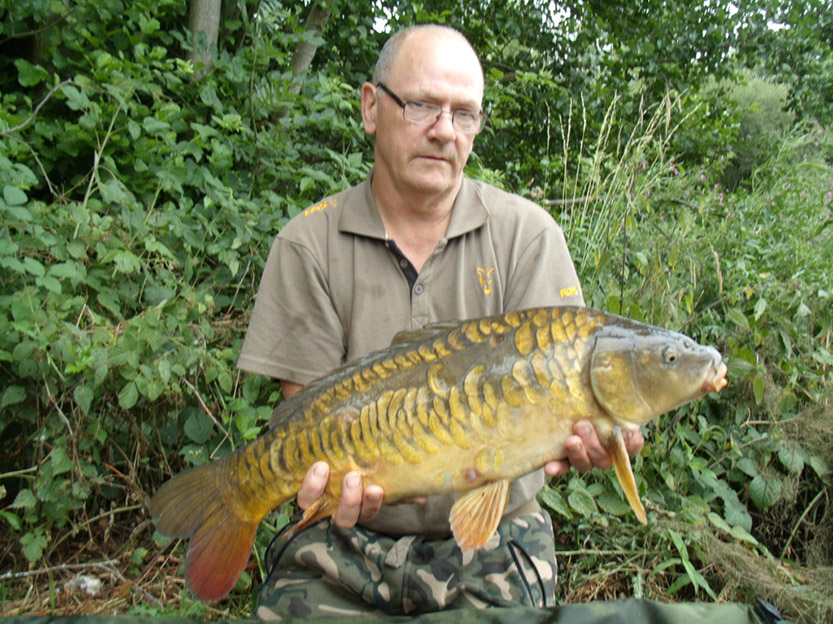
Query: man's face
[417, 159]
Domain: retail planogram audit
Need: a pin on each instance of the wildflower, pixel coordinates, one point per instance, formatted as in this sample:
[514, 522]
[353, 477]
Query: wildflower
[720, 197]
[644, 164]
[703, 177]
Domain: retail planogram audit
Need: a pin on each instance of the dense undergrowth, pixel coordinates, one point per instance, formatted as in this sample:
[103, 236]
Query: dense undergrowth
[138, 205]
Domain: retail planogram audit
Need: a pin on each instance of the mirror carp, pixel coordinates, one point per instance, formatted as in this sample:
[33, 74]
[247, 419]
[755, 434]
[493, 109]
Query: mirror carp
[454, 407]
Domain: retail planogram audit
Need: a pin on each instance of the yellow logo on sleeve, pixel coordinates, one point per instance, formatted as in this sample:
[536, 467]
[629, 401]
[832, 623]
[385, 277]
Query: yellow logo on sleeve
[568, 292]
[321, 206]
[485, 279]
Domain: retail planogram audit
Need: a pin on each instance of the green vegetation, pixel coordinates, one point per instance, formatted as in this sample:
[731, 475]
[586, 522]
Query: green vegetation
[140, 194]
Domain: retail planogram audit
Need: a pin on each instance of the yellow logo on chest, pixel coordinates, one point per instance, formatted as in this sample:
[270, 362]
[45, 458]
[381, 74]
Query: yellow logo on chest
[485, 279]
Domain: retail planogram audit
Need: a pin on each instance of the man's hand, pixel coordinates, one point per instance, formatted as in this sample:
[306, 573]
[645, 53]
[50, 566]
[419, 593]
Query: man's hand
[355, 505]
[585, 451]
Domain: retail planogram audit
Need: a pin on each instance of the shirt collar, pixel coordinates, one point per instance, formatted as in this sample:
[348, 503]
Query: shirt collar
[361, 216]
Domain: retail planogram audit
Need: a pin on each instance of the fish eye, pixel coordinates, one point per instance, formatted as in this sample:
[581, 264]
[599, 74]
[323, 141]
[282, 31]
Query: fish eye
[670, 356]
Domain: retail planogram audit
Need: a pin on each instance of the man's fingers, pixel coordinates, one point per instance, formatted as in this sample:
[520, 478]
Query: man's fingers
[596, 453]
[557, 468]
[634, 442]
[312, 487]
[350, 504]
[371, 503]
[585, 450]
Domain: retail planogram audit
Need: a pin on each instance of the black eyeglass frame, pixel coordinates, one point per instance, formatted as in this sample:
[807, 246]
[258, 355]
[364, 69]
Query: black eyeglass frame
[484, 118]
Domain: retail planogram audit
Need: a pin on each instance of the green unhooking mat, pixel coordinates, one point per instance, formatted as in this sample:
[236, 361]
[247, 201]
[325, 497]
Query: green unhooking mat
[631, 611]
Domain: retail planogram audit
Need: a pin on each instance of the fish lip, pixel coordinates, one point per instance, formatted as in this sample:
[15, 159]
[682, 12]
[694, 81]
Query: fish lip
[716, 380]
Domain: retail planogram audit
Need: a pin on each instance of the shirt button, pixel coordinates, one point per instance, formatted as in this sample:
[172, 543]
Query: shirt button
[418, 289]
[403, 263]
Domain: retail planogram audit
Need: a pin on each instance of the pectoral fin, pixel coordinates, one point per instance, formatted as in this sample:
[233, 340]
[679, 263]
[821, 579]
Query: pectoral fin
[476, 514]
[324, 507]
[622, 463]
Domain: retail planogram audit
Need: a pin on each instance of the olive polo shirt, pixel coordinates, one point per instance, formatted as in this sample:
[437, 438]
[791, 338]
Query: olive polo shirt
[335, 288]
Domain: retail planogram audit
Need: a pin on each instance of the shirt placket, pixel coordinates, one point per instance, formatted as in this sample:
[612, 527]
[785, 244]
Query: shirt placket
[423, 290]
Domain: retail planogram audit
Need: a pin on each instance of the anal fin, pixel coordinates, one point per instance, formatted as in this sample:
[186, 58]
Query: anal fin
[476, 514]
[622, 463]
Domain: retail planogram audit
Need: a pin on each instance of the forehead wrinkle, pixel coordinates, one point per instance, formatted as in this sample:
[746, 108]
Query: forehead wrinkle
[421, 70]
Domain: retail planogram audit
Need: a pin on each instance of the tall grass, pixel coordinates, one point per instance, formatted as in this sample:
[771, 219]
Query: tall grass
[738, 487]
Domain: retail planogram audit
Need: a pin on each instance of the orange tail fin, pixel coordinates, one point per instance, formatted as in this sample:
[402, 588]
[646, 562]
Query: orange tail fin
[191, 505]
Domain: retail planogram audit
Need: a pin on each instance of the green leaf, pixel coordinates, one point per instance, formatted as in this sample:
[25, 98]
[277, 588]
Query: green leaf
[83, 396]
[198, 427]
[818, 465]
[760, 308]
[126, 262]
[792, 457]
[25, 499]
[76, 100]
[152, 125]
[226, 382]
[29, 75]
[164, 368]
[613, 504]
[553, 500]
[758, 390]
[129, 395]
[109, 303]
[14, 196]
[50, 283]
[21, 213]
[741, 534]
[34, 267]
[154, 389]
[748, 467]
[68, 270]
[14, 264]
[12, 395]
[737, 317]
[60, 461]
[12, 520]
[581, 502]
[719, 522]
[764, 491]
[33, 546]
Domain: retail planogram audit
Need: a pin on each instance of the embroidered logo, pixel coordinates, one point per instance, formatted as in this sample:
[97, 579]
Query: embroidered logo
[485, 279]
[568, 292]
[321, 206]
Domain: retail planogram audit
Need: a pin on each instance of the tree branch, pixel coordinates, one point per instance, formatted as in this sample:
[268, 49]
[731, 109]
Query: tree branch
[31, 118]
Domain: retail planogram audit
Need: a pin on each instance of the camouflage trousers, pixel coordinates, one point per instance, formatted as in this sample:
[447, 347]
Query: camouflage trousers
[327, 571]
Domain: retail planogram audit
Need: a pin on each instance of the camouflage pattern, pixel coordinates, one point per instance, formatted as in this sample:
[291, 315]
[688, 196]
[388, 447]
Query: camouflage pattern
[325, 571]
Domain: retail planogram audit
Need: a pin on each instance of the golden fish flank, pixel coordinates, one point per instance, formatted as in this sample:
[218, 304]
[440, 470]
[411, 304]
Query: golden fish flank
[473, 404]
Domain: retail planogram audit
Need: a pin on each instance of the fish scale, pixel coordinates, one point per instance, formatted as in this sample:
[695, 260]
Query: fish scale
[463, 407]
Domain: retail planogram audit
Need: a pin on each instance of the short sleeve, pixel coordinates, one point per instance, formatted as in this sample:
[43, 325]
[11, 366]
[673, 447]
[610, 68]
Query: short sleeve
[294, 333]
[544, 274]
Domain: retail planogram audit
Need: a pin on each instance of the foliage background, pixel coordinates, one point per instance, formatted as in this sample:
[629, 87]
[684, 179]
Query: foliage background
[683, 148]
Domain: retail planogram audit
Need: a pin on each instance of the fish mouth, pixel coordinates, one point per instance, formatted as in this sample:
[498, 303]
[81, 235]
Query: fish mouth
[716, 380]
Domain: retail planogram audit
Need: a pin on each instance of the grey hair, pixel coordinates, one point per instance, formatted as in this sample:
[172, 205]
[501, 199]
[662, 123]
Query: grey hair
[381, 73]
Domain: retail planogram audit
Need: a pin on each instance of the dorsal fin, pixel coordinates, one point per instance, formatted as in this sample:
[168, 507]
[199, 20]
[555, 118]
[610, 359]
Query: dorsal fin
[424, 334]
[402, 341]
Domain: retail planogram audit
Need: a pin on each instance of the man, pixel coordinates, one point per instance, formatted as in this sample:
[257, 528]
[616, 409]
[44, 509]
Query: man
[414, 244]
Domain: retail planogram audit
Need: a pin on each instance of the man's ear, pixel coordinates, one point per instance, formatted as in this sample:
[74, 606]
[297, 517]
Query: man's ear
[370, 100]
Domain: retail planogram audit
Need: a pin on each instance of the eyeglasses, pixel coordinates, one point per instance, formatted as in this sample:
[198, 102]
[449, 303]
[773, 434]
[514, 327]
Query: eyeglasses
[427, 114]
